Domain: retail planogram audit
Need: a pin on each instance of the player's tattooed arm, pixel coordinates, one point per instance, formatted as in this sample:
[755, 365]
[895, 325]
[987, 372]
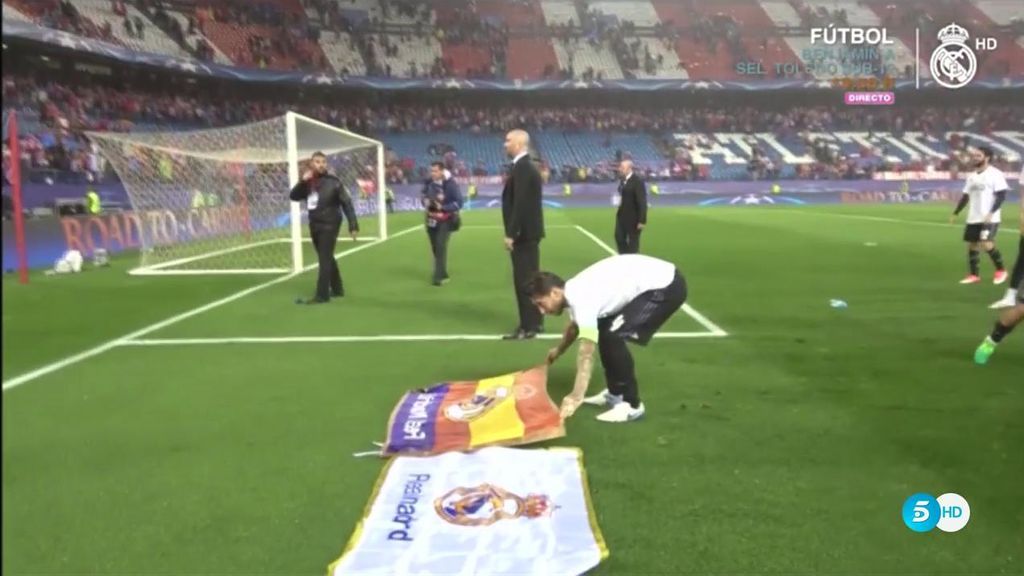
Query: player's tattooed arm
[584, 368]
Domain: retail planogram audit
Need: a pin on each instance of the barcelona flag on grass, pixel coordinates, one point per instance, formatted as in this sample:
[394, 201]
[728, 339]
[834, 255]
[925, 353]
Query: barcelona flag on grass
[509, 410]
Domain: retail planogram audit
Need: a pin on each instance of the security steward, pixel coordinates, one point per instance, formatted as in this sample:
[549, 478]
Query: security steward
[326, 198]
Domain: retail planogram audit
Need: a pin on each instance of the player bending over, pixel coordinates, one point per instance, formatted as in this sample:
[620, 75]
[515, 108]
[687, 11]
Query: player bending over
[985, 191]
[1017, 277]
[620, 299]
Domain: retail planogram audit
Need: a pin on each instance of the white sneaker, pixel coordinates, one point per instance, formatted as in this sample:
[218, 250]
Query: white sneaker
[1007, 302]
[603, 398]
[622, 412]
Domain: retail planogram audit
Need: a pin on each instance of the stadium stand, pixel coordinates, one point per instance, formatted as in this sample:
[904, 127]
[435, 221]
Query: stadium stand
[781, 13]
[524, 39]
[196, 40]
[641, 14]
[530, 58]
[408, 55]
[588, 60]
[12, 13]
[342, 52]
[131, 27]
[1002, 12]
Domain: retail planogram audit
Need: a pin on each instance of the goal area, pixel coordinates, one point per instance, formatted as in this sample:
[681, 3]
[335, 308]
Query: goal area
[216, 201]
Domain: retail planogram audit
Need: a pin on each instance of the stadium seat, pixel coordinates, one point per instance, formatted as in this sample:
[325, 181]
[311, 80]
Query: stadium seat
[581, 55]
[13, 14]
[513, 13]
[342, 53]
[466, 57]
[1002, 12]
[193, 40]
[374, 10]
[419, 50]
[856, 13]
[154, 39]
[670, 68]
[639, 13]
[782, 13]
[527, 58]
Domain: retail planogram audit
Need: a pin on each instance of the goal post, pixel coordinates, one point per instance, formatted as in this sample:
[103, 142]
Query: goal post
[216, 201]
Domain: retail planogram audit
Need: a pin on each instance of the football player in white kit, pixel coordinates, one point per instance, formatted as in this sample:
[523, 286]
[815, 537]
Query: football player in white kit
[985, 191]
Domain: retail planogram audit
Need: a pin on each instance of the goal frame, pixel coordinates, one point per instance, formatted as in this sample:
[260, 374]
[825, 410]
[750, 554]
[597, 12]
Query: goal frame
[296, 237]
[293, 178]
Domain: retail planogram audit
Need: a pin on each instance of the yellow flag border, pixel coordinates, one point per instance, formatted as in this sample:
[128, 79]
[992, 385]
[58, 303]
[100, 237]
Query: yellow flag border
[595, 528]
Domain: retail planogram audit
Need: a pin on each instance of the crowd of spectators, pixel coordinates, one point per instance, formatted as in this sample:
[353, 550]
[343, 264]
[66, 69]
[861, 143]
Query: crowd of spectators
[65, 112]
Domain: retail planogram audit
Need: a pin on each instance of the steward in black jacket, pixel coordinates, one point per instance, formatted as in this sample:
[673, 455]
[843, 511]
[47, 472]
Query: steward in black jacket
[326, 200]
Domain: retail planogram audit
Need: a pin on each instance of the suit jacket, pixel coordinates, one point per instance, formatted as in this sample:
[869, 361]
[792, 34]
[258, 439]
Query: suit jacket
[633, 207]
[521, 208]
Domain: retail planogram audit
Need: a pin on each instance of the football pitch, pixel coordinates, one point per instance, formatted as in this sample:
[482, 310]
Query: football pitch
[205, 425]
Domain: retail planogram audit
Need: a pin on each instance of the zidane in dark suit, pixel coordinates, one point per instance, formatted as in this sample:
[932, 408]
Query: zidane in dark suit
[523, 217]
[631, 218]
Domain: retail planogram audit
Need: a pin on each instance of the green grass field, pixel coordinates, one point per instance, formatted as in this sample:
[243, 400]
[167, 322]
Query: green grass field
[787, 446]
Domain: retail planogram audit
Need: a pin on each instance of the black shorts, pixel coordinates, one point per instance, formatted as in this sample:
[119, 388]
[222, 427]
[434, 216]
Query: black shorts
[980, 232]
[639, 320]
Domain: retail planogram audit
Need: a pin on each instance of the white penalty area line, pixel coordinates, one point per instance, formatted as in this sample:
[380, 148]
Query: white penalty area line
[712, 328]
[75, 359]
[359, 339]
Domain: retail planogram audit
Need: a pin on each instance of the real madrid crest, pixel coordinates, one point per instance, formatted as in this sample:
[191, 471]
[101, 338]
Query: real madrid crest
[953, 63]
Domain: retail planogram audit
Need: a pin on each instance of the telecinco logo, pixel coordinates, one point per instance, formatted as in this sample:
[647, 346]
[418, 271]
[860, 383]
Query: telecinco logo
[949, 512]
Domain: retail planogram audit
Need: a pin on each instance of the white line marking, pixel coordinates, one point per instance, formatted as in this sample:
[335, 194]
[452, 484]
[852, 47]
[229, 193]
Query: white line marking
[146, 269]
[358, 339]
[807, 212]
[701, 319]
[159, 269]
[70, 360]
[500, 227]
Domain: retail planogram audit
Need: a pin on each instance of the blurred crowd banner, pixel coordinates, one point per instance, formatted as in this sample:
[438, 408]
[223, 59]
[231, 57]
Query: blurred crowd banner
[34, 33]
[116, 231]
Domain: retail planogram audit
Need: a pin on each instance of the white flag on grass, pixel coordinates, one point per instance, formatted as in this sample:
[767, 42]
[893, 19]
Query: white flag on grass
[495, 511]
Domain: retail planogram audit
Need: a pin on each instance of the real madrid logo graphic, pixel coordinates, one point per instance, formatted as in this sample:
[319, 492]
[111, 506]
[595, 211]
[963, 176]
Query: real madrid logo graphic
[477, 406]
[486, 504]
[953, 63]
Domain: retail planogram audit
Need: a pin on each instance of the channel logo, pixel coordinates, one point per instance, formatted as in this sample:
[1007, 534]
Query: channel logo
[949, 512]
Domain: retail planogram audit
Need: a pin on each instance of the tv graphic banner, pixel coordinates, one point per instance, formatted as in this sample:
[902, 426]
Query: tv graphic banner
[511, 409]
[496, 511]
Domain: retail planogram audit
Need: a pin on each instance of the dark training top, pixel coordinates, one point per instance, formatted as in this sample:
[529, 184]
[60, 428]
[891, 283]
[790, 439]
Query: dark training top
[326, 198]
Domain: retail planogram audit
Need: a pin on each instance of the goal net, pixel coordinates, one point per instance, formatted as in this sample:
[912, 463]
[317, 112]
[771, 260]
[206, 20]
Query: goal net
[216, 201]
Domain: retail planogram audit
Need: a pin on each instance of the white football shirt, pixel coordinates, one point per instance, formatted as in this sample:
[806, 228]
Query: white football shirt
[604, 288]
[982, 187]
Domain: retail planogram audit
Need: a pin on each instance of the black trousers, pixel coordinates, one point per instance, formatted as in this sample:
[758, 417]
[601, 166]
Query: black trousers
[637, 322]
[526, 262]
[1017, 278]
[439, 235]
[627, 237]
[328, 280]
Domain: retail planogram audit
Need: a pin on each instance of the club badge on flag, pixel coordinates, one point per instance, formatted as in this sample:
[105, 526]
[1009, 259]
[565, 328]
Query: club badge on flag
[496, 511]
[511, 409]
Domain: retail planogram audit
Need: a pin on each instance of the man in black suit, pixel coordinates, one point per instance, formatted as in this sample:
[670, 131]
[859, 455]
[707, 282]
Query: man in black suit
[631, 218]
[523, 216]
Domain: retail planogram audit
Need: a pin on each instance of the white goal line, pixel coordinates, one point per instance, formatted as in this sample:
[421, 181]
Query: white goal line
[370, 338]
[161, 268]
